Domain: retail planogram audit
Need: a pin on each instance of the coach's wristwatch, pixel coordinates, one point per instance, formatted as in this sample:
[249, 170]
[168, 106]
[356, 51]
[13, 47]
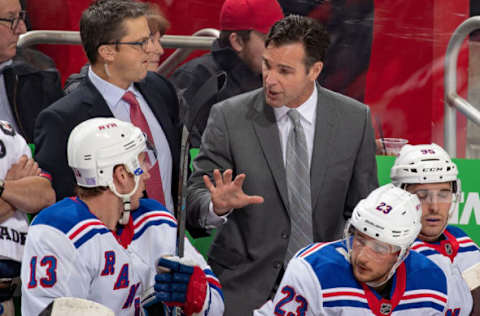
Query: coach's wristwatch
[2, 186]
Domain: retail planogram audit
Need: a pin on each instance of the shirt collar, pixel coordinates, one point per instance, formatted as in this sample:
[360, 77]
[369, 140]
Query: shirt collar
[306, 110]
[110, 92]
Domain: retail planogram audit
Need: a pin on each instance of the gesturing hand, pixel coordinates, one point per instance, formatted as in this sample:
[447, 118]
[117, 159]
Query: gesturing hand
[227, 194]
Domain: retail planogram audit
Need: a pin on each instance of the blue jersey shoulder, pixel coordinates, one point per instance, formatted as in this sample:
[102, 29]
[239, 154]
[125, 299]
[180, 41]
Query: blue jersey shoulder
[329, 262]
[151, 213]
[418, 266]
[64, 215]
[456, 231]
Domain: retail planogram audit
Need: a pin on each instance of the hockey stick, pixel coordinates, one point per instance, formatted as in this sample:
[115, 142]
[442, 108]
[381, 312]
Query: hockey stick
[202, 97]
[182, 185]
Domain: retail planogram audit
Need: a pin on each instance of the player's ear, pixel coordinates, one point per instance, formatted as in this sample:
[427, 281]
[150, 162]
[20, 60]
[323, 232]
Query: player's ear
[120, 178]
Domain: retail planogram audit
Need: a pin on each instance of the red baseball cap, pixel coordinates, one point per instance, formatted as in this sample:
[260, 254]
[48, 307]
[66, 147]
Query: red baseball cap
[259, 15]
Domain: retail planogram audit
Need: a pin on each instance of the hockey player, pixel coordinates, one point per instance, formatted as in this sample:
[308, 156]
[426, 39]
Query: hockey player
[23, 189]
[370, 271]
[107, 244]
[428, 172]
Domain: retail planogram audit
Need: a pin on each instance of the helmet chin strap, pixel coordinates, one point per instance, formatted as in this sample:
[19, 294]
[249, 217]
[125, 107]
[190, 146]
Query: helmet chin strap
[123, 220]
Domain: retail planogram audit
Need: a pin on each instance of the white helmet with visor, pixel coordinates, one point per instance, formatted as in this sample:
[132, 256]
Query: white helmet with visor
[419, 164]
[389, 215]
[97, 145]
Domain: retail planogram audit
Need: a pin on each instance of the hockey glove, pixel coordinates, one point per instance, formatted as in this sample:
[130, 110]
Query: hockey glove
[181, 284]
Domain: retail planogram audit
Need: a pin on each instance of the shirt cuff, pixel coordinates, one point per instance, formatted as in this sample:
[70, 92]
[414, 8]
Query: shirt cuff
[213, 220]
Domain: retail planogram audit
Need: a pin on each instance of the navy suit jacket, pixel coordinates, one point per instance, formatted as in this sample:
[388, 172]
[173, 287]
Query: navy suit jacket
[54, 124]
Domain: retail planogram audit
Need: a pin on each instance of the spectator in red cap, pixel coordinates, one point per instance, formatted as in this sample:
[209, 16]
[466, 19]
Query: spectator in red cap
[234, 64]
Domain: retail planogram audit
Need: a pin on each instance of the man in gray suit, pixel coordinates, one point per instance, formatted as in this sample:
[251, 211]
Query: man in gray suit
[253, 144]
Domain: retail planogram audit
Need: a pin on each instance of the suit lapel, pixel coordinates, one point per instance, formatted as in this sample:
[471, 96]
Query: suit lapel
[97, 105]
[157, 106]
[265, 127]
[326, 117]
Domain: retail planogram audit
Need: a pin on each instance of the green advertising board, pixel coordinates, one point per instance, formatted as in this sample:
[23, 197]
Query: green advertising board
[467, 215]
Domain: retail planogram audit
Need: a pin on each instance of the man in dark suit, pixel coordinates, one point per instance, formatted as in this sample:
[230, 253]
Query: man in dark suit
[29, 81]
[307, 153]
[118, 44]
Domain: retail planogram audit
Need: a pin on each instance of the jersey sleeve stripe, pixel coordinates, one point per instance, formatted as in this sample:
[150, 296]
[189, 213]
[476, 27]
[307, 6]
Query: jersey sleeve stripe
[464, 239]
[467, 243]
[344, 289]
[213, 281]
[218, 289]
[210, 275]
[344, 303]
[153, 222]
[146, 217]
[468, 249]
[88, 235]
[422, 296]
[80, 227]
[418, 245]
[419, 305]
[343, 293]
[313, 249]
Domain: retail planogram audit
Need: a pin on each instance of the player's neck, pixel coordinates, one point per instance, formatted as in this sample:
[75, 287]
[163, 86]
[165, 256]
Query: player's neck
[385, 289]
[106, 207]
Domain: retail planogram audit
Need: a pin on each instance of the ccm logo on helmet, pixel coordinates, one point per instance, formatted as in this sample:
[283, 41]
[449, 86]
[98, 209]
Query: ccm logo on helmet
[109, 125]
[432, 169]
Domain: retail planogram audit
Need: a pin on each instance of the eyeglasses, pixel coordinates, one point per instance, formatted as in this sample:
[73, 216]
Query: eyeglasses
[15, 21]
[439, 196]
[143, 44]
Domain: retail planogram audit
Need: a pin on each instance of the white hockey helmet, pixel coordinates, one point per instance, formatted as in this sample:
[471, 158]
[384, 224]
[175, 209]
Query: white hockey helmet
[418, 164]
[390, 215]
[74, 306]
[97, 145]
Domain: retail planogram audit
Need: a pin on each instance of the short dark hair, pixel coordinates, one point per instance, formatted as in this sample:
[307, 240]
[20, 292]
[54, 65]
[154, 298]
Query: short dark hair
[296, 28]
[84, 193]
[102, 22]
[224, 38]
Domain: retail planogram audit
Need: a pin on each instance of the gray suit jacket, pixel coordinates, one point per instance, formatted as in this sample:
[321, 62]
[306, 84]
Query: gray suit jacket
[242, 134]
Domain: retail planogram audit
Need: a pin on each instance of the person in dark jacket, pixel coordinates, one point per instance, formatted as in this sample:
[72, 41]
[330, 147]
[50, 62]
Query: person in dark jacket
[232, 67]
[118, 43]
[29, 81]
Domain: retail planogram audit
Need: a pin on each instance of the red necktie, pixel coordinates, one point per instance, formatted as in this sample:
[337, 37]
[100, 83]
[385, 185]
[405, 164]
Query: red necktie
[154, 184]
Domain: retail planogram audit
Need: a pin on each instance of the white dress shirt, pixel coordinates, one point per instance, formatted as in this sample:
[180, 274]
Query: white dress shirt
[5, 109]
[308, 111]
[121, 110]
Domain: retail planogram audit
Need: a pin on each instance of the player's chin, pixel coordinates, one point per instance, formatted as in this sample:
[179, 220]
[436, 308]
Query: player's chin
[361, 273]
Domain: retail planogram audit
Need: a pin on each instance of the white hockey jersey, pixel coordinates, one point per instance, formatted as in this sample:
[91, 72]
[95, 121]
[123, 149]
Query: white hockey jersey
[455, 254]
[319, 281]
[13, 231]
[70, 252]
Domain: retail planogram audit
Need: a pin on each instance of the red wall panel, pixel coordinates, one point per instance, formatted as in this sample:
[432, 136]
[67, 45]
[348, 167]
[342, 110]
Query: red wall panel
[405, 78]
